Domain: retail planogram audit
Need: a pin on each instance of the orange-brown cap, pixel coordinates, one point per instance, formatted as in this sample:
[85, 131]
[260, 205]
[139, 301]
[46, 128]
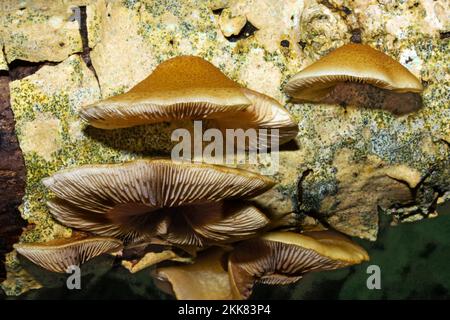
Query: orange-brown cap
[284, 257]
[185, 87]
[352, 62]
[57, 255]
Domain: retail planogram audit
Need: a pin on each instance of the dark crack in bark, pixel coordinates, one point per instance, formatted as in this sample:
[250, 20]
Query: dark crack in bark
[346, 13]
[247, 31]
[444, 35]
[20, 69]
[86, 53]
[12, 174]
[310, 211]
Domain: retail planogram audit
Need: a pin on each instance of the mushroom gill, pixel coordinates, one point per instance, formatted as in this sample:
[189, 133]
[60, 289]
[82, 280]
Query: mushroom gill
[264, 113]
[358, 75]
[188, 204]
[57, 255]
[214, 223]
[284, 257]
[205, 279]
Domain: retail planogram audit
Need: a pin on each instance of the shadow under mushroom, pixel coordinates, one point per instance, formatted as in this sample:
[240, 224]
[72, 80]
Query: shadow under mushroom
[370, 97]
[152, 139]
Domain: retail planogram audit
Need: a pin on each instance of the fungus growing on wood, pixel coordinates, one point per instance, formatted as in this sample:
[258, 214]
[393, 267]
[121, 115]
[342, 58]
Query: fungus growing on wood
[185, 87]
[188, 204]
[58, 255]
[190, 88]
[358, 75]
[284, 257]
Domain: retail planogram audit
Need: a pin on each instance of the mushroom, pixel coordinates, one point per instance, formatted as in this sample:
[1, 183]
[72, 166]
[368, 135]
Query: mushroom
[183, 203]
[359, 75]
[205, 279]
[184, 87]
[190, 88]
[284, 257]
[58, 255]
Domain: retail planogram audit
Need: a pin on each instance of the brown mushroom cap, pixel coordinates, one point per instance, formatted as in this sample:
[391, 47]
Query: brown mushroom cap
[284, 257]
[205, 279]
[264, 113]
[58, 255]
[354, 63]
[128, 200]
[185, 87]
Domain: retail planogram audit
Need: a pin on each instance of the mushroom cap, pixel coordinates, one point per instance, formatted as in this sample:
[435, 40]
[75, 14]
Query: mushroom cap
[284, 257]
[327, 243]
[57, 255]
[131, 199]
[205, 279]
[184, 87]
[215, 223]
[264, 113]
[156, 184]
[351, 62]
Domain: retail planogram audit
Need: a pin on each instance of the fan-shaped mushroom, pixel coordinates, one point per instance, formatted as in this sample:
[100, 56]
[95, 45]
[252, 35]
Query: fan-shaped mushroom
[57, 255]
[284, 257]
[185, 87]
[357, 74]
[190, 88]
[205, 279]
[183, 203]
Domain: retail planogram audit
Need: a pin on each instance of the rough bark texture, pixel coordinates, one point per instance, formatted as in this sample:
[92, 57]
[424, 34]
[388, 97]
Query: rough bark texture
[12, 177]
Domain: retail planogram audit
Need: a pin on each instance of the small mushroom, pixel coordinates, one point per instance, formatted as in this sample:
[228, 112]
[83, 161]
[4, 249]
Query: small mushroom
[359, 75]
[284, 257]
[58, 255]
[181, 202]
[205, 279]
[184, 87]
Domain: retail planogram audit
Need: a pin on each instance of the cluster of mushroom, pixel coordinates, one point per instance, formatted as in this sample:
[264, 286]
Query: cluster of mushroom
[190, 212]
[197, 218]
